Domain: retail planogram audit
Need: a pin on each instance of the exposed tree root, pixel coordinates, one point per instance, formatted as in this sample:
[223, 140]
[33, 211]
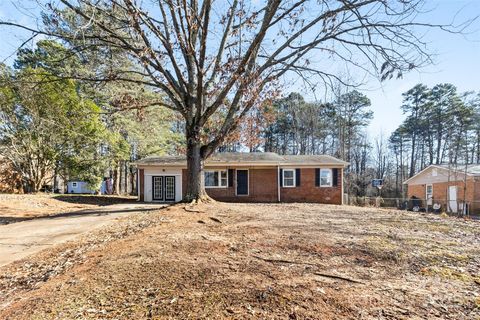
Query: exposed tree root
[192, 209]
[203, 199]
[333, 276]
[285, 261]
[193, 205]
[215, 219]
[310, 264]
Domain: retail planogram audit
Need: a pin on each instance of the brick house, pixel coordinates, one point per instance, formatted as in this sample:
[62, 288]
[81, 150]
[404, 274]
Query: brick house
[246, 177]
[447, 187]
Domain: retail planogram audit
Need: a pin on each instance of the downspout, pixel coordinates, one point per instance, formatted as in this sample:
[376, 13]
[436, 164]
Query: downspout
[278, 183]
[343, 191]
[138, 184]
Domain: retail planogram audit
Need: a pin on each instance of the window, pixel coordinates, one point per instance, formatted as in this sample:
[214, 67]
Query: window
[216, 178]
[429, 191]
[325, 177]
[288, 178]
[429, 194]
[223, 178]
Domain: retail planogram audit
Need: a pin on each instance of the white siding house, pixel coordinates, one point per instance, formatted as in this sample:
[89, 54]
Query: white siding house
[78, 187]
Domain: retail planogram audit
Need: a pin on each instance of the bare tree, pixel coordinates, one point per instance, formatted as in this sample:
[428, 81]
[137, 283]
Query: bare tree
[225, 57]
[381, 157]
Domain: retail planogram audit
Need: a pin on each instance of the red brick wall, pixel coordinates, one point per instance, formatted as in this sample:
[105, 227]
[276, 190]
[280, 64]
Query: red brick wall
[308, 192]
[142, 184]
[263, 188]
[476, 196]
[440, 192]
[417, 190]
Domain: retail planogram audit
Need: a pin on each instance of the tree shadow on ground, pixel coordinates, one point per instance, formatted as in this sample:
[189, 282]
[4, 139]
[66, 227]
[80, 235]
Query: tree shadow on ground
[80, 213]
[99, 200]
[8, 220]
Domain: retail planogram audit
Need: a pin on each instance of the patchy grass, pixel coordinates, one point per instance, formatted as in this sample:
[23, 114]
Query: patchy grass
[271, 261]
[451, 273]
[385, 248]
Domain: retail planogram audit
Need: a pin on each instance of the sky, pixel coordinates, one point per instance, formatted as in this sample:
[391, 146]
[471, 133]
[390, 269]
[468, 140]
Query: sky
[456, 57]
[457, 61]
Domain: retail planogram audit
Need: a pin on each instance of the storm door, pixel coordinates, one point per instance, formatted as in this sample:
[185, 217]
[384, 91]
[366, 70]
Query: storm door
[157, 188]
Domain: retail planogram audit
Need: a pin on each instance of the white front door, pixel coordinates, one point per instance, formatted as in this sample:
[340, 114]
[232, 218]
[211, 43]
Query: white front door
[452, 199]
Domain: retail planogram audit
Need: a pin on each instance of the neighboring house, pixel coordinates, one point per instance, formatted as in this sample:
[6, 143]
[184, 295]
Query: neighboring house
[76, 186]
[246, 177]
[10, 180]
[447, 187]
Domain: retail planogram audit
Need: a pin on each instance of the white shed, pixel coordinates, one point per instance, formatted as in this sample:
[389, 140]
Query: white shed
[76, 186]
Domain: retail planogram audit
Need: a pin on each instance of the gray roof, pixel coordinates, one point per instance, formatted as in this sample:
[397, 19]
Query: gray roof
[164, 160]
[473, 169]
[259, 158]
[244, 157]
[321, 158]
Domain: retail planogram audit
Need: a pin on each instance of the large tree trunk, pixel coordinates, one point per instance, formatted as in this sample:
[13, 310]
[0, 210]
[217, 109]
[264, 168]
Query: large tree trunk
[116, 179]
[125, 166]
[195, 187]
[133, 186]
[413, 157]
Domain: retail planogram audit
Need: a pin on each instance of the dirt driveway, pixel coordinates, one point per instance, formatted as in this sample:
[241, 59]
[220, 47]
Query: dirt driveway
[18, 240]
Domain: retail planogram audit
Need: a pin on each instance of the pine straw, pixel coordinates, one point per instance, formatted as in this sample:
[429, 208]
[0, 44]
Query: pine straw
[261, 261]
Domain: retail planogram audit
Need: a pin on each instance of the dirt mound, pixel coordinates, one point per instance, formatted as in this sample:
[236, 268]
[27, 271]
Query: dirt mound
[18, 206]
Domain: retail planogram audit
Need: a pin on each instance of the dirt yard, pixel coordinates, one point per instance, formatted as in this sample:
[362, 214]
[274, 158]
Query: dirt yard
[242, 261]
[17, 207]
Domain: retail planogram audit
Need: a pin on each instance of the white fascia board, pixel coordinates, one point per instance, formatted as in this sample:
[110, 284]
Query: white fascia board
[312, 165]
[438, 167]
[251, 164]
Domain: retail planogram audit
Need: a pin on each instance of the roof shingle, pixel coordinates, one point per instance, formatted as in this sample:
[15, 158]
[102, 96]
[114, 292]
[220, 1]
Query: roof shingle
[473, 169]
[265, 158]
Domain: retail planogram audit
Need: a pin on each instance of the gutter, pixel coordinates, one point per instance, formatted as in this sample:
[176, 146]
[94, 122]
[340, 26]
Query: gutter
[278, 183]
[249, 164]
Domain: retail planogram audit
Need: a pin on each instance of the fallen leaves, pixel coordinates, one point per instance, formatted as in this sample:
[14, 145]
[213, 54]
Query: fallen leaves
[259, 261]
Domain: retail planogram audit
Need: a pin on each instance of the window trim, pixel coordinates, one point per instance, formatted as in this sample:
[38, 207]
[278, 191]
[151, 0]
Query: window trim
[320, 178]
[219, 185]
[293, 176]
